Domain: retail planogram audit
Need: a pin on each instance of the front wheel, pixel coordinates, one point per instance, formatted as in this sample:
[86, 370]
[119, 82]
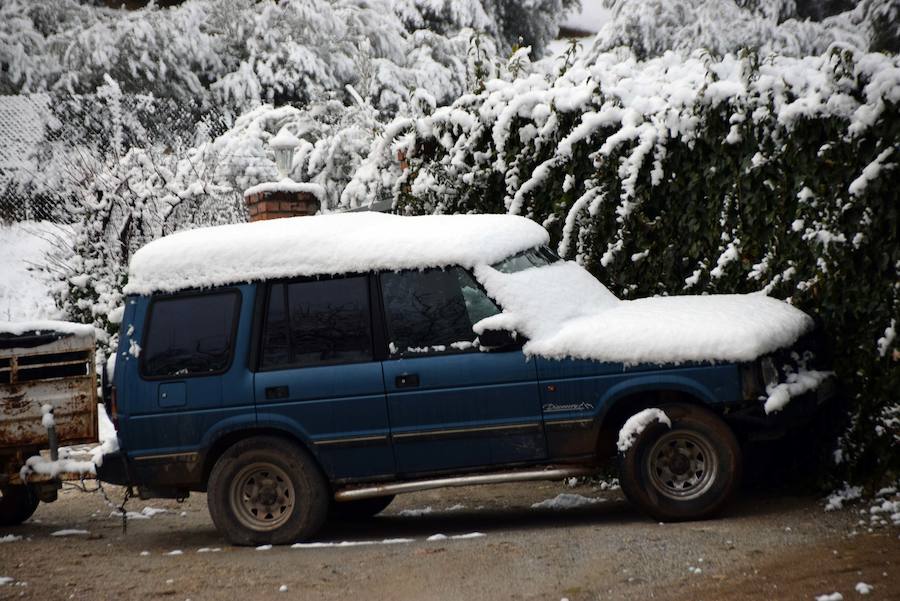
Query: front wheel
[17, 504]
[686, 472]
[267, 490]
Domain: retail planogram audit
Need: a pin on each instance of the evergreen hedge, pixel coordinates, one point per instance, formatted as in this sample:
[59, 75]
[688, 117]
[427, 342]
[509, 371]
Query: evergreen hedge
[694, 175]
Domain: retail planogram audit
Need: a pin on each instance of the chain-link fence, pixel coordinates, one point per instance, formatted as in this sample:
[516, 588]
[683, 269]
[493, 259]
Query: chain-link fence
[50, 143]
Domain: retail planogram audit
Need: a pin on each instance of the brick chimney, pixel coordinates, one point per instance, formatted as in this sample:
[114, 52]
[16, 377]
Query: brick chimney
[284, 198]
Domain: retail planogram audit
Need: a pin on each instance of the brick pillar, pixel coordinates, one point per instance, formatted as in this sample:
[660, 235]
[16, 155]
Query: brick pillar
[276, 204]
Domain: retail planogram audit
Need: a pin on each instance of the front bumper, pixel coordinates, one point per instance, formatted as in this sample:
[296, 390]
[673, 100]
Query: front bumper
[750, 417]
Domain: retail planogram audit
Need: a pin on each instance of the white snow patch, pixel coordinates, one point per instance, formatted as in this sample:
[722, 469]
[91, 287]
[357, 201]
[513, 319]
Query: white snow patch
[326, 244]
[637, 423]
[468, 536]
[885, 342]
[830, 597]
[70, 532]
[416, 512]
[4, 580]
[264, 548]
[799, 382]
[360, 543]
[864, 589]
[17, 328]
[539, 302]
[837, 499]
[26, 293]
[567, 501]
[175, 552]
[283, 588]
[47, 416]
[287, 185]
[9, 538]
[436, 537]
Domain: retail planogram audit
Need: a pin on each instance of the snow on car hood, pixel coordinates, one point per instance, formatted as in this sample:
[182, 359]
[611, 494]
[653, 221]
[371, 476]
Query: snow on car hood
[565, 312]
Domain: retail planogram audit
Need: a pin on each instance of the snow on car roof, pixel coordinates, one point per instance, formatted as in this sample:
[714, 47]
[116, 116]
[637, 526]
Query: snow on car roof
[326, 244]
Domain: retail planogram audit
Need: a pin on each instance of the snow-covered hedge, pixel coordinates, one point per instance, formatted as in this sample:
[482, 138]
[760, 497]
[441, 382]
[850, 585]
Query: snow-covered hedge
[688, 175]
[651, 27]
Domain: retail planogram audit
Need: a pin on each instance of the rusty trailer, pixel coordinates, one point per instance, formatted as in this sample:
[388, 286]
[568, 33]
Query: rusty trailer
[42, 364]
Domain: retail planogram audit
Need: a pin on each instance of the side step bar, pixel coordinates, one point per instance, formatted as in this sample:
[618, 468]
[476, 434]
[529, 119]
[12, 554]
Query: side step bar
[380, 490]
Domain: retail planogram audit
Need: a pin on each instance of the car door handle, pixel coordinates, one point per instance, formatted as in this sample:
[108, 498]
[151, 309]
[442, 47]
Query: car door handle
[407, 380]
[277, 392]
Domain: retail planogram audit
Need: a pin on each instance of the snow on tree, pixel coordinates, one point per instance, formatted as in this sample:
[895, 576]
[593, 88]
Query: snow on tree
[651, 27]
[235, 55]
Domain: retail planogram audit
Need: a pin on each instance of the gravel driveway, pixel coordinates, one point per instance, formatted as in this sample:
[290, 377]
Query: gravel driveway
[767, 546]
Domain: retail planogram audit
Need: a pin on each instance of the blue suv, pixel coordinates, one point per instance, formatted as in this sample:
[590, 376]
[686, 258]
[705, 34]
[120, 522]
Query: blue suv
[289, 398]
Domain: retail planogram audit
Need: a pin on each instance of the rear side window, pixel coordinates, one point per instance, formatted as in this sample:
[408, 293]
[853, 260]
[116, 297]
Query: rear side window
[190, 335]
[433, 311]
[317, 322]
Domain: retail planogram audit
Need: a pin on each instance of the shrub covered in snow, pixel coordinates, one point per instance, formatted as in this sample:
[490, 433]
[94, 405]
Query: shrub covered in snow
[235, 55]
[690, 175]
[651, 27]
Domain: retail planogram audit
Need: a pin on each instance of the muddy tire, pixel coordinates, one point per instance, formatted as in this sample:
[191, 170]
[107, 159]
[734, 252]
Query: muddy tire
[17, 504]
[360, 509]
[267, 490]
[687, 472]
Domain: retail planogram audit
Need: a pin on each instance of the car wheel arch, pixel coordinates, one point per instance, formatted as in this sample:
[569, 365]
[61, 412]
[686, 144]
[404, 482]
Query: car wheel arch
[228, 439]
[617, 411]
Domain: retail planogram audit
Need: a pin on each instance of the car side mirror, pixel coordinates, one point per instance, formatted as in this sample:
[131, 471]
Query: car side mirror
[497, 339]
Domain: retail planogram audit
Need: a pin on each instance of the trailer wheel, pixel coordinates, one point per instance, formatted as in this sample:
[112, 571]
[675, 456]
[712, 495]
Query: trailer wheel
[17, 503]
[688, 472]
[267, 490]
[360, 509]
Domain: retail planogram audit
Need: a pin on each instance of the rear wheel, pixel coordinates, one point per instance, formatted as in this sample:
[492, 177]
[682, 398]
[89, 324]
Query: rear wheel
[686, 472]
[360, 509]
[17, 504]
[267, 490]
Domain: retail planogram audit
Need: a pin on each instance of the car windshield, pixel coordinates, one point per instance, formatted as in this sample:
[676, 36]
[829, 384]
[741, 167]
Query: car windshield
[534, 257]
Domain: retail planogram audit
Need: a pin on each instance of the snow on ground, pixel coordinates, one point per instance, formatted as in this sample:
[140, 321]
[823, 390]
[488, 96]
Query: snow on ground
[9, 538]
[592, 16]
[144, 514]
[637, 423]
[353, 543]
[25, 294]
[567, 501]
[70, 532]
[416, 512]
[588, 20]
[4, 580]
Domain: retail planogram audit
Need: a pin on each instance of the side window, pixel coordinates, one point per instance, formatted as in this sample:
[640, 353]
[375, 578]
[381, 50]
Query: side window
[317, 322]
[190, 335]
[433, 311]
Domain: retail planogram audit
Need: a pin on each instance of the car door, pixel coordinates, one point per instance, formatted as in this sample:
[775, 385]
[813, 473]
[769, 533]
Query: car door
[450, 404]
[189, 371]
[317, 375]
